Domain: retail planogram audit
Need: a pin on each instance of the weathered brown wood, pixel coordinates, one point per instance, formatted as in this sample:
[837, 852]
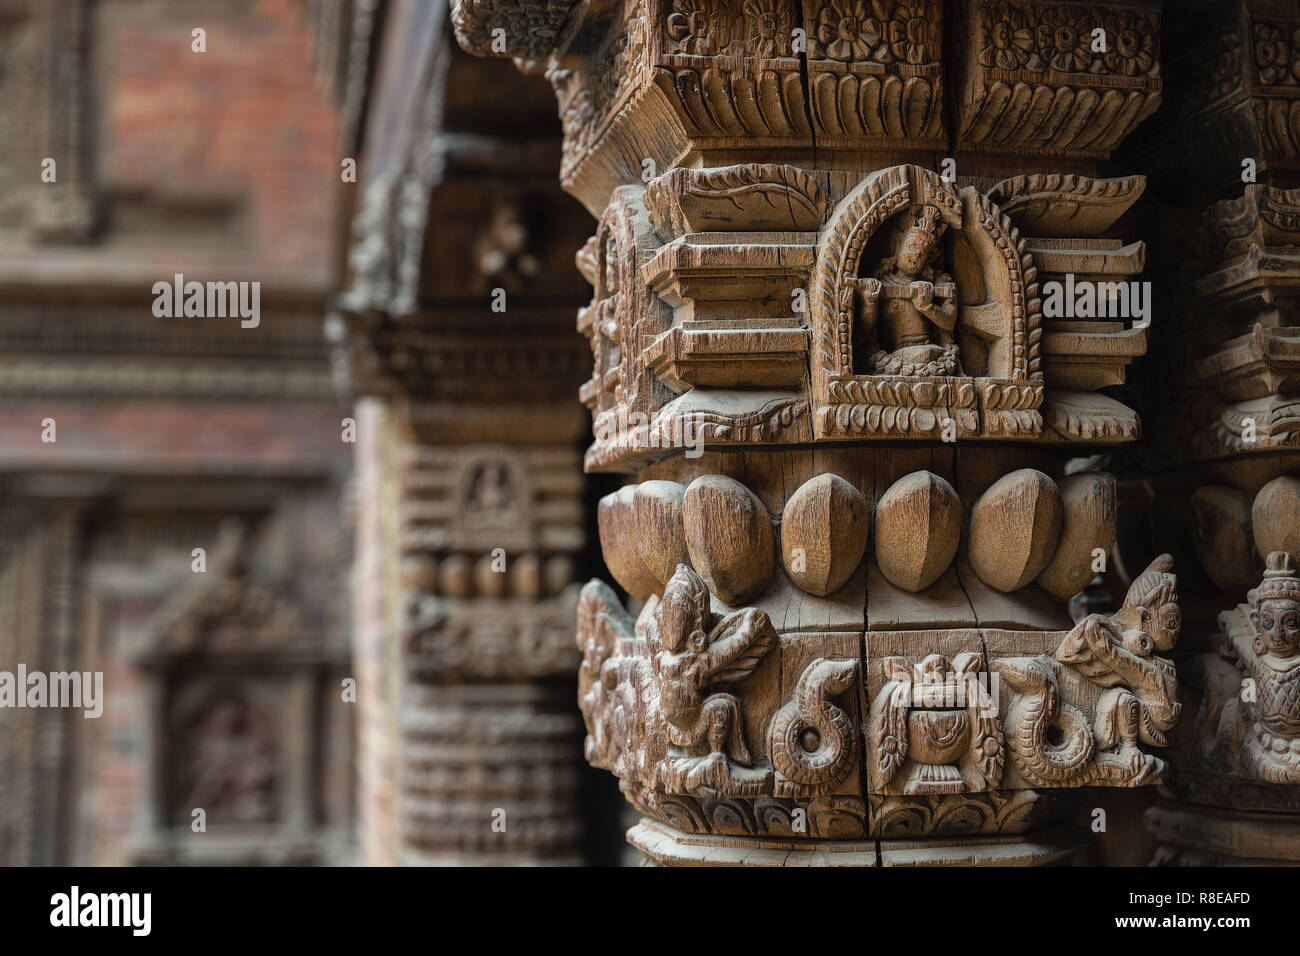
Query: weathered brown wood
[822, 355]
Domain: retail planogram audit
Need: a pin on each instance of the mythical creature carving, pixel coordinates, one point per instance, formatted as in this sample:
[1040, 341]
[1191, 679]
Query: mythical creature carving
[662, 686]
[1119, 654]
[1051, 741]
[691, 651]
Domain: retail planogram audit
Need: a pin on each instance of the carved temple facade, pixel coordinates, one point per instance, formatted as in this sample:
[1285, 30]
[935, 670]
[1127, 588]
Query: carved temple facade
[174, 495]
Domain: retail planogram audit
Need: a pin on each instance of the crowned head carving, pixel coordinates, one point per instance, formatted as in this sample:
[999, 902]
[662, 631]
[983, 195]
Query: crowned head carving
[1264, 638]
[682, 617]
[921, 242]
[1276, 604]
[1150, 617]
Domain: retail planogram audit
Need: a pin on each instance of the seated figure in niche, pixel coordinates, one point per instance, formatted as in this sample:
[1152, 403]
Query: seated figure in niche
[907, 310]
[231, 765]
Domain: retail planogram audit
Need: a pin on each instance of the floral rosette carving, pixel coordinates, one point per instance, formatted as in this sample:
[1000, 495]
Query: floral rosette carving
[912, 34]
[767, 33]
[1131, 44]
[1008, 36]
[697, 27]
[853, 31]
[1065, 40]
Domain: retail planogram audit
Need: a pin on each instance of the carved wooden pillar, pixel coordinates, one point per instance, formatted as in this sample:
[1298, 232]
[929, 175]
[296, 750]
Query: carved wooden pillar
[491, 524]
[1224, 160]
[820, 352]
[40, 571]
[459, 325]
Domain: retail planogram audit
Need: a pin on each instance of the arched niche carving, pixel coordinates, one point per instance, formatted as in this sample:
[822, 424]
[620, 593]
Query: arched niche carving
[886, 361]
[492, 487]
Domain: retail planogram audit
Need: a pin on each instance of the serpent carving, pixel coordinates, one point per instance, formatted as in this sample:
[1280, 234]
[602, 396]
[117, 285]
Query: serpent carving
[811, 741]
[1051, 741]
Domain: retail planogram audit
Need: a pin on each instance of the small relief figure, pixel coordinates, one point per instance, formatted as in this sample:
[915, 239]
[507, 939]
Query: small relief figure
[231, 770]
[1140, 703]
[691, 652]
[489, 490]
[503, 252]
[907, 310]
[1268, 651]
[938, 719]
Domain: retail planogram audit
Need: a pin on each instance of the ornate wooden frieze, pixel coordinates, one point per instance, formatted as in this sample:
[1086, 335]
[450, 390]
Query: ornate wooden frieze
[742, 79]
[769, 707]
[1038, 81]
[489, 775]
[900, 306]
[489, 552]
[846, 370]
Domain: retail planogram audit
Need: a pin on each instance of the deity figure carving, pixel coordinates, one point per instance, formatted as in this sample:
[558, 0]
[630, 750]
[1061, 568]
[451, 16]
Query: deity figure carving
[490, 490]
[689, 652]
[231, 770]
[1119, 653]
[1268, 652]
[907, 310]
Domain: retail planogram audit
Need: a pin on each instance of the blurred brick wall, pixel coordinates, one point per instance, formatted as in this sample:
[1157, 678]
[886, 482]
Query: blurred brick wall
[247, 123]
[222, 165]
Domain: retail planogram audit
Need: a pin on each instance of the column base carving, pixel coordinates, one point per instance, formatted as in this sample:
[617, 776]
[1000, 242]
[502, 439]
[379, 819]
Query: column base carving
[490, 777]
[666, 846]
[789, 683]
[1214, 836]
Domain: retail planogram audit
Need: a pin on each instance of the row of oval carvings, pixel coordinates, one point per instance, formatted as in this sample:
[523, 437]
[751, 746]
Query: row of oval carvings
[1025, 527]
[1234, 531]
